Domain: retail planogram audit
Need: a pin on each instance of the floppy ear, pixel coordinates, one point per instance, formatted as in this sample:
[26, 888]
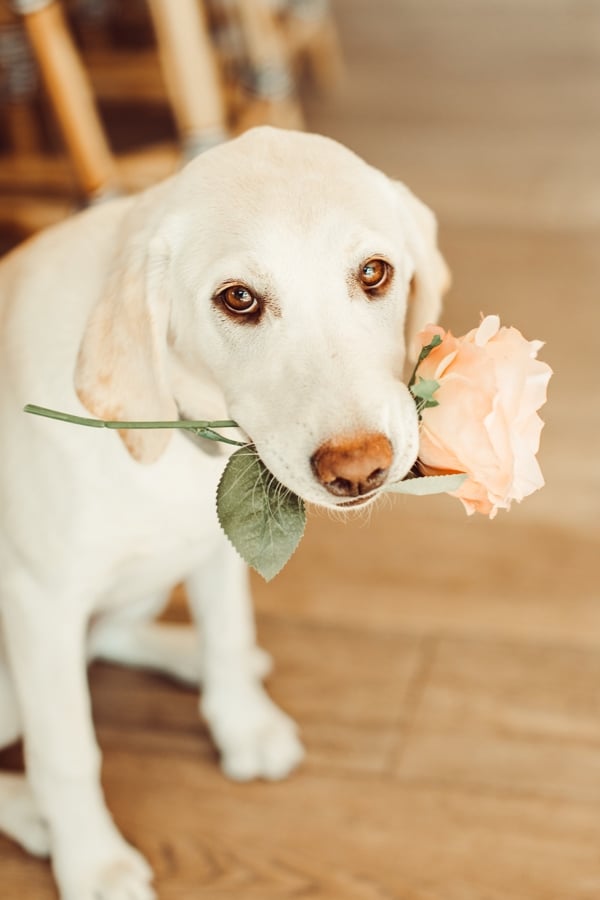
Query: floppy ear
[432, 277]
[121, 366]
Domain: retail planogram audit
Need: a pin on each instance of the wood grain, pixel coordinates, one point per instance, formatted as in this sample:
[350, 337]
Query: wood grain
[445, 671]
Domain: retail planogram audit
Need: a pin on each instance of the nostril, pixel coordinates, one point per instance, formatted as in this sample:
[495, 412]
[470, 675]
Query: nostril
[376, 478]
[341, 487]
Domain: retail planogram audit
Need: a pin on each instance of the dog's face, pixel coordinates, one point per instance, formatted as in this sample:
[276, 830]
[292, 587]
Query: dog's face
[281, 275]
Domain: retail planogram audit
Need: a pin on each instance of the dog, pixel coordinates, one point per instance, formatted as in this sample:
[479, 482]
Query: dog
[277, 280]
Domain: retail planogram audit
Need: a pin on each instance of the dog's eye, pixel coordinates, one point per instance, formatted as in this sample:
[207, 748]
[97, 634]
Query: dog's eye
[374, 274]
[238, 299]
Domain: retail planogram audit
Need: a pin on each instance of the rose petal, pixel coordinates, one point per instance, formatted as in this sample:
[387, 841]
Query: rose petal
[487, 330]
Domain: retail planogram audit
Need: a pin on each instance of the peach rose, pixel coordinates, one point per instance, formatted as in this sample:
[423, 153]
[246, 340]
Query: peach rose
[486, 424]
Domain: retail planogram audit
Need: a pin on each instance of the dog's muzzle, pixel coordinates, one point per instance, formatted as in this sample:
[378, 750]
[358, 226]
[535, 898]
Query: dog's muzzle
[353, 466]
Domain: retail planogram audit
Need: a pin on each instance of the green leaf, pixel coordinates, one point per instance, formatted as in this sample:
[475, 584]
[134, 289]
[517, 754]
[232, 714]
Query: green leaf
[262, 519]
[426, 484]
[423, 393]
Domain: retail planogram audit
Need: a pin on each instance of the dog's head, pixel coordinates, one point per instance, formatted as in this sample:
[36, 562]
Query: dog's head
[284, 274]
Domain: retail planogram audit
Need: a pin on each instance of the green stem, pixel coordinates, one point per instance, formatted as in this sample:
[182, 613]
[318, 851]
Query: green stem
[201, 428]
[435, 342]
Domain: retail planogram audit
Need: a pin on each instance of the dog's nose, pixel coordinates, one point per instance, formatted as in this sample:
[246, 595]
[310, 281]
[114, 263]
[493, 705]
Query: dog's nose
[352, 466]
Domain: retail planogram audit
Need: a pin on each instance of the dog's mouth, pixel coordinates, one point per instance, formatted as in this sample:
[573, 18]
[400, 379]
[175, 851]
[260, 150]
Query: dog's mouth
[358, 501]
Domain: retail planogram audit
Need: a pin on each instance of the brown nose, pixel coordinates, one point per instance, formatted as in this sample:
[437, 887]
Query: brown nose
[352, 466]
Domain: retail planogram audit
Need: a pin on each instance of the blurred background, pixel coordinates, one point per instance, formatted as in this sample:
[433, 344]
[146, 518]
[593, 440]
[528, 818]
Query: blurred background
[445, 670]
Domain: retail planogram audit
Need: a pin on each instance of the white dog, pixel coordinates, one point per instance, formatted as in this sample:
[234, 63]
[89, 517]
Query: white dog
[268, 282]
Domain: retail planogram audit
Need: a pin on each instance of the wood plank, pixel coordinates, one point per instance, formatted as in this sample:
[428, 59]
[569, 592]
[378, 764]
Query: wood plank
[346, 689]
[488, 109]
[420, 566]
[365, 839]
[509, 717]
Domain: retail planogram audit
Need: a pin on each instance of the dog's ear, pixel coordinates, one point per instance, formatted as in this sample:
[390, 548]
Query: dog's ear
[121, 366]
[431, 278]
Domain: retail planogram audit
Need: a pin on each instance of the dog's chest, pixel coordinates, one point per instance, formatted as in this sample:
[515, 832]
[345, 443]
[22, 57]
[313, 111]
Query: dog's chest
[164, 524]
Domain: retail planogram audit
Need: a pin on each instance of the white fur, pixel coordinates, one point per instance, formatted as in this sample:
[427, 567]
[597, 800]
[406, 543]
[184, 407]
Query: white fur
[113, 307]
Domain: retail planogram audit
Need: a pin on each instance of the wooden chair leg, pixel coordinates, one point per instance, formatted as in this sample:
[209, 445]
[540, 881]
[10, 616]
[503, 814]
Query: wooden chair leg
[313, 36]
[271, 85]
[191, 73]
[70, 94]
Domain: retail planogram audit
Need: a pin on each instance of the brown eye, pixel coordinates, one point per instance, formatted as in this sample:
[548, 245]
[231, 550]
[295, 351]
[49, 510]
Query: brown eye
[374, 274]
[238, 299]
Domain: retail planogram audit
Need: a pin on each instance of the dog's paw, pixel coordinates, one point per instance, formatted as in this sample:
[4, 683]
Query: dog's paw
[20, 817]
[121, 874]
[256, 739]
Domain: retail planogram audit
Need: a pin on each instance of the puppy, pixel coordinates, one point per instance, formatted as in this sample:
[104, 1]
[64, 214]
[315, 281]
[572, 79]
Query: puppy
[271, 281]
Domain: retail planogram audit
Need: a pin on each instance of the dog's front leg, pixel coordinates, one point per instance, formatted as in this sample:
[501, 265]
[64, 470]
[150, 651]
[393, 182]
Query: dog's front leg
[46, 644]
[255, 738]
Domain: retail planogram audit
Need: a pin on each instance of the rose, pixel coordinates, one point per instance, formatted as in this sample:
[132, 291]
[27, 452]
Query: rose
[485, 422]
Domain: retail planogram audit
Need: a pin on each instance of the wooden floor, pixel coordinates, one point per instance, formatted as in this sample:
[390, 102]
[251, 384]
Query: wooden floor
[445, 671]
